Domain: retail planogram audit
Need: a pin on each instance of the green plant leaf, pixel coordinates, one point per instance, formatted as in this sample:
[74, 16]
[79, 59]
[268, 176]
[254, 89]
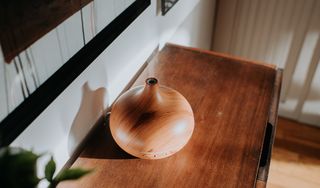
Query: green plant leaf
[50, 169]
[18, 168]
[71, 174]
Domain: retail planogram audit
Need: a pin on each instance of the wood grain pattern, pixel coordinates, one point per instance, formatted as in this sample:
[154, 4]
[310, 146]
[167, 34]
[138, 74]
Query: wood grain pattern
[230, 99]
[295, 159]
[298, 137]
[151, 121]
[24, 22]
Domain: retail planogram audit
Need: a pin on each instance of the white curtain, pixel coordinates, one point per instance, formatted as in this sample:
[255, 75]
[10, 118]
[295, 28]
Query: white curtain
[282, 32]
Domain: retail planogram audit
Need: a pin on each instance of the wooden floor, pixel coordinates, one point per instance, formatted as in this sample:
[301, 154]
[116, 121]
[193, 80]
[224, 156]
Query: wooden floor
[296, 156]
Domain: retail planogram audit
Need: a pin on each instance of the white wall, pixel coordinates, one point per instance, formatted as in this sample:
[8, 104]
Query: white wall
[196, 29]
[28, 71]
[65, 122]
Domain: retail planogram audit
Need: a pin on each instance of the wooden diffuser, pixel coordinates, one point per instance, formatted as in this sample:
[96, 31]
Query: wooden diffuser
[151, 121]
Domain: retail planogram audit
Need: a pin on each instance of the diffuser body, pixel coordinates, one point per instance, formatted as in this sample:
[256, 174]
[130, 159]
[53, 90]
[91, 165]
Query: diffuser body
[151, 121]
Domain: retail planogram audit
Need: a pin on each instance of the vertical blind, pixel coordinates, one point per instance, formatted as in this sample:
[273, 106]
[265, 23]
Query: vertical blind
[282, 32]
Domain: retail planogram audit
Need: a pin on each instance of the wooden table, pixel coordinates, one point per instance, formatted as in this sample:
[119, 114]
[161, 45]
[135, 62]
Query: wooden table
[235, 105]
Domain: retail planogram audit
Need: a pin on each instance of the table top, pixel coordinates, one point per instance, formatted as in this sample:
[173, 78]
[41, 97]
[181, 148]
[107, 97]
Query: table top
[230, 98]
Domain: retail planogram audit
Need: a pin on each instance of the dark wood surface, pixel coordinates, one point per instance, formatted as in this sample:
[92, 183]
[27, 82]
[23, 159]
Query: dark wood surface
[24, 22]
[270, 131]
[231, 100]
